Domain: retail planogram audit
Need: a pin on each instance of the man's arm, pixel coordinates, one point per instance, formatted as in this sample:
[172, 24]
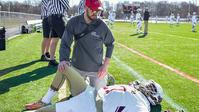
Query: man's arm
[109, 43]
[64, 51]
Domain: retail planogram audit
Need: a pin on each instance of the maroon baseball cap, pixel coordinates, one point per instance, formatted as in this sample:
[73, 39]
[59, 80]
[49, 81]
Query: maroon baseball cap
[94, 4]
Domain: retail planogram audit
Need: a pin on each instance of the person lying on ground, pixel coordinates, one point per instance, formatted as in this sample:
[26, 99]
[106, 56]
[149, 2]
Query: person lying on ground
[138, 96]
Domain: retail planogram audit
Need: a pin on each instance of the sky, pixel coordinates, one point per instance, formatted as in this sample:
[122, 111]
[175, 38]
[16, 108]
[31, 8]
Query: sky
[115, 1]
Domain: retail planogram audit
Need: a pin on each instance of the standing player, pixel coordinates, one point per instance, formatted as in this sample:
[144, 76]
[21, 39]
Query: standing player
[167, 19]
[126, 18]
[139, 21]
[194, 22]
[188, 17]
[132, 18]
[178, 19]
[156, 19]
[171, 19]
[111, 18]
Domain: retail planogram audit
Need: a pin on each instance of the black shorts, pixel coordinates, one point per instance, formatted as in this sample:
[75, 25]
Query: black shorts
[57, 24]
[47, 32]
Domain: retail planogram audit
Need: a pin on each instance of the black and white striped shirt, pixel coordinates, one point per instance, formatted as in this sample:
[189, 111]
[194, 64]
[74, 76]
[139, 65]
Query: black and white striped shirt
[44, 9]
[58, 6]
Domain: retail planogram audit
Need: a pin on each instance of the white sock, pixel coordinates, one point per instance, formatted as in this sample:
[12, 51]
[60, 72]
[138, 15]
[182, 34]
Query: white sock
[47, 98]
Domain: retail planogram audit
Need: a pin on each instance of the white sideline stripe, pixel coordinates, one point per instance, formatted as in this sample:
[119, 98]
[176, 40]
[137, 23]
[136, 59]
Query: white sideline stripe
[183, 74]
[140, 77]
[174, 36]
[122, 31]
[12, 37]
[129, 69]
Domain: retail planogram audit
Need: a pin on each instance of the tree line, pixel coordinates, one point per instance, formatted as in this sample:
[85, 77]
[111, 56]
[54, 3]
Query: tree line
[161, 9]
[28, 6]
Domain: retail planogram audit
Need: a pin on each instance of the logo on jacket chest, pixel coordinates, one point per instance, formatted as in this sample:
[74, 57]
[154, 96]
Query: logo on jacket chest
[95, 34]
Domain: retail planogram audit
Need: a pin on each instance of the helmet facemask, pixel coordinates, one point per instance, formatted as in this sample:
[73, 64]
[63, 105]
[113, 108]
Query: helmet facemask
[151, 90]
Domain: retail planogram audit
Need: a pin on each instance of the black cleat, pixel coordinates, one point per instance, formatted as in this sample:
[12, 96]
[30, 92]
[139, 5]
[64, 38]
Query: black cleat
[47, 54]
[44, 58]
[53, 63]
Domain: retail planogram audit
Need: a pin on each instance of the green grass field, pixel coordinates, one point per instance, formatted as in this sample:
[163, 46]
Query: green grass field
[24, 79]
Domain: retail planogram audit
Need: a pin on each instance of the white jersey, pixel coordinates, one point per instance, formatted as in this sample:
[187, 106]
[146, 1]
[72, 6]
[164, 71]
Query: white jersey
[84, 102]
[123, 98]
[194, 19]
[156, 19]
[117, 98]
[112, 16]
[178, 18]
[132, 17]
[172, 18]
[138, 17]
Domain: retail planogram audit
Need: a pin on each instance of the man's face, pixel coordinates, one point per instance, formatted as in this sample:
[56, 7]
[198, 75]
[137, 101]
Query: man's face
[92, 15]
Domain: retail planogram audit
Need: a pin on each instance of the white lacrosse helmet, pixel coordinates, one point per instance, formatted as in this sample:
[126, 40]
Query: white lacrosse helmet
[152, 90]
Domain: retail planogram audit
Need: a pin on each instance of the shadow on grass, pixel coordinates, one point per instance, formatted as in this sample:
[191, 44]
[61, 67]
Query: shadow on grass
[36, 74]
[142, 36]
[14, 68]
[136, 34]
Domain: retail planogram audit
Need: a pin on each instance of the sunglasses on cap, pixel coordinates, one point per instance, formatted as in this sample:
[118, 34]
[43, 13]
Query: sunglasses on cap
[97, 12]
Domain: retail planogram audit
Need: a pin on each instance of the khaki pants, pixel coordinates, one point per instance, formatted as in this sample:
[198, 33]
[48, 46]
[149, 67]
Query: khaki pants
[92, 78]
[74, 80]
[145, 27]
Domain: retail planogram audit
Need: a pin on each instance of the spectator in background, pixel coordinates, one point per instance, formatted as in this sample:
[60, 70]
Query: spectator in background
[57, 9]
[146, 19]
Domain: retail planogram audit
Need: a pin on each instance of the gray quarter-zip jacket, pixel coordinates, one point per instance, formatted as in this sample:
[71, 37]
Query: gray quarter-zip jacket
[88, 51]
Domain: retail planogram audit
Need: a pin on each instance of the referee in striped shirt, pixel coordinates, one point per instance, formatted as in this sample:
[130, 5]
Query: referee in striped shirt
[46, 32]
[56, 10]
[48, 35]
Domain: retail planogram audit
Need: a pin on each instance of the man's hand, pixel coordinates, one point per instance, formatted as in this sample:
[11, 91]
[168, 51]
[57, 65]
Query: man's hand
[63, 65]
[102, 71]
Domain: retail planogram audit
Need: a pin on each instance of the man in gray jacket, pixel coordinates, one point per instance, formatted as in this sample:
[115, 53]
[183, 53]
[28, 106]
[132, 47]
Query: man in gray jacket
[90, 35]
[87, 59]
